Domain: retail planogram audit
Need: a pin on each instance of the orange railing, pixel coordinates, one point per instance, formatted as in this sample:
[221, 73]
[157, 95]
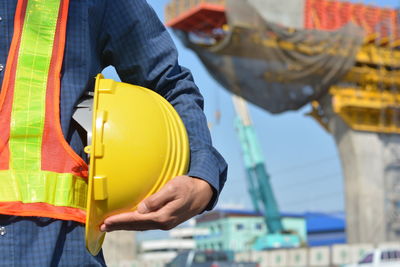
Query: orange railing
[331, 15]
[325, 15]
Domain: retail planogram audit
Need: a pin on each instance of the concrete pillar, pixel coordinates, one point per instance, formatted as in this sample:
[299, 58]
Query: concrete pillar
[120, 246]
[289, 13]
[371, 166]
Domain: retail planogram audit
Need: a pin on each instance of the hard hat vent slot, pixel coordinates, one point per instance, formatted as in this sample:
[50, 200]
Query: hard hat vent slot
[100, 121]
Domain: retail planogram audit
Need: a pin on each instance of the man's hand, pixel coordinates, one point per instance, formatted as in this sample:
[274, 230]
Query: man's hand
[180, 199]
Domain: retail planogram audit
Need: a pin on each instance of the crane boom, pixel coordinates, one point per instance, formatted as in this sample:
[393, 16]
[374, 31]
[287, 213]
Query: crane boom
[260, 189]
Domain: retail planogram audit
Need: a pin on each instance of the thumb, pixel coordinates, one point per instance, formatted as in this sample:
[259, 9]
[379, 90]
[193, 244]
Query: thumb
[157, 200]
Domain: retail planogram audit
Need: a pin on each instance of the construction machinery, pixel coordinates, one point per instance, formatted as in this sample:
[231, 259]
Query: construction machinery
[259, 187]
[342, 57]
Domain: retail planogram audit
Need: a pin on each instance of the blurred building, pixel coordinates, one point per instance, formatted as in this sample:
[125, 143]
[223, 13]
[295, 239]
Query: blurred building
[164, 250]
[237, 230]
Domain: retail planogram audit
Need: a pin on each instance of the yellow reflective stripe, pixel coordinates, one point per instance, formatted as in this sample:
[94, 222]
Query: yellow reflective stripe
[28, 111]
[26, 181]
[58, 189]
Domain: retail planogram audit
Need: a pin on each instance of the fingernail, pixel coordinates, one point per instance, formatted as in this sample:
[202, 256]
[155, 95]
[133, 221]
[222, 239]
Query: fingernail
[103, 228]
[142, 208]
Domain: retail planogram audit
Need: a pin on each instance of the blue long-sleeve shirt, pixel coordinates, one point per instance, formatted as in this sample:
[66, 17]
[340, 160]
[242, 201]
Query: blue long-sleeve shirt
[128, 35]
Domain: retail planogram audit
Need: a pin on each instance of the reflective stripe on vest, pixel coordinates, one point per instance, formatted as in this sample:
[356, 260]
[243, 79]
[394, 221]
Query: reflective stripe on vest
[40, 173]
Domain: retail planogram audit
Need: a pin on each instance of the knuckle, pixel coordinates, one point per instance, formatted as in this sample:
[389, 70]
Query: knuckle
[171, 188]
[162, 219]
[150, 203]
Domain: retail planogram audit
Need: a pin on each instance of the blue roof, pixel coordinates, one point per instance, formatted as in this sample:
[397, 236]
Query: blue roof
[316, 242]
[293, 215]
[234, 211]
[325, 222]
[254, 213]
[316, 221]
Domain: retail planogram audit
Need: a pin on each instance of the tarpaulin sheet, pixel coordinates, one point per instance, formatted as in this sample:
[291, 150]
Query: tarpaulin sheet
[273, 66]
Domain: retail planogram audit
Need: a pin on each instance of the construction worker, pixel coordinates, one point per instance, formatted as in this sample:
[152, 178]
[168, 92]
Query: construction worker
[50, 51]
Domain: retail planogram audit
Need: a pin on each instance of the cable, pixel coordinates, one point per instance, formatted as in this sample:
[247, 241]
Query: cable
[314, 198]
[307, 182]
[296, 167]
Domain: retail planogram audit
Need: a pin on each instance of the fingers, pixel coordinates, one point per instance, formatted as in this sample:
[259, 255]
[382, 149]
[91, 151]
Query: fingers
[156, 201]
[158, 211]
[129, 221]
[180, 199]
[163, 219]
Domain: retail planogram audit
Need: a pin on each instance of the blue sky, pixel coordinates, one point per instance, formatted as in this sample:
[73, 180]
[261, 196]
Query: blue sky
[385, 3]
[301, 157]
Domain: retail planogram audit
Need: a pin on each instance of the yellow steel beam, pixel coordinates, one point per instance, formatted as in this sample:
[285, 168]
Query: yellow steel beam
[363, 110]
[379, 121]
[380, 56]
[380, 77]
[357, 97]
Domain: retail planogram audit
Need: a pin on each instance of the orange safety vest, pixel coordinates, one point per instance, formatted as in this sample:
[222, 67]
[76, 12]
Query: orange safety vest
[40, 173]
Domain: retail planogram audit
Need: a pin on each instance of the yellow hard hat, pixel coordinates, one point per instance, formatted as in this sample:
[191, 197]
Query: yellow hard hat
[138, 144]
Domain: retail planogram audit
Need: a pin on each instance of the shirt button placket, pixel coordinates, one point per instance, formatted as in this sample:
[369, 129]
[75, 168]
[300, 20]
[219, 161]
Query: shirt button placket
[3, 231]
[1, 65]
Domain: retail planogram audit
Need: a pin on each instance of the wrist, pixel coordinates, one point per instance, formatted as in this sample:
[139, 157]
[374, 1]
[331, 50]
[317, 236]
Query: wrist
[204, 193]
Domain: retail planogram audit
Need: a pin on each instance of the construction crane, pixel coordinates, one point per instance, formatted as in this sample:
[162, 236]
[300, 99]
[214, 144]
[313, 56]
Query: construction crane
[259, 187]
[343, 58]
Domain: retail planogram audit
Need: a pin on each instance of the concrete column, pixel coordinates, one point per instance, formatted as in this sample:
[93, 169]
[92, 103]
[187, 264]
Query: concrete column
[289, 13]
[371, 166]
[120, 246]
